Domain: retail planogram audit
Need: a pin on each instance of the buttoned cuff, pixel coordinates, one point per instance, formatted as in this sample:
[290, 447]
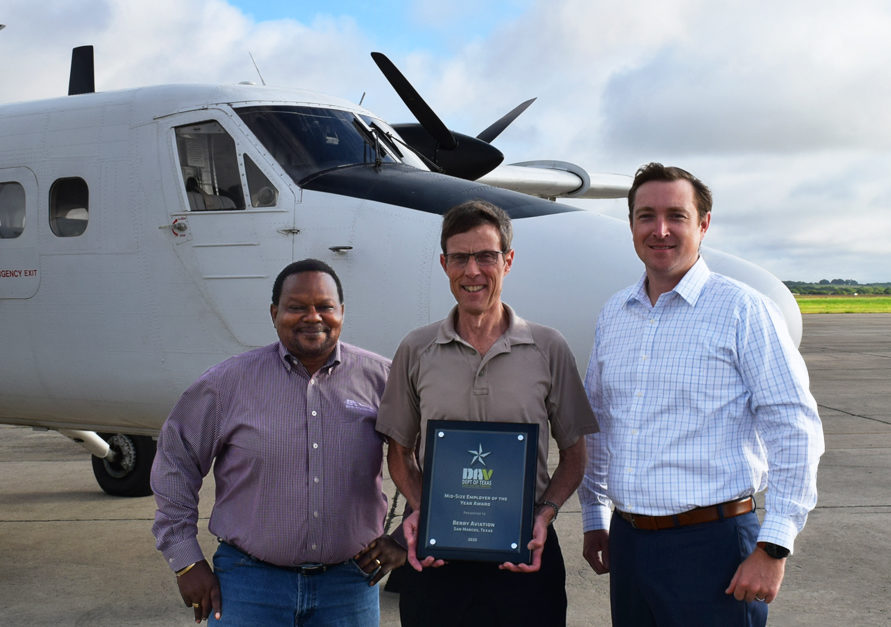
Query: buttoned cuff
[778, 530]
[182, 554]
[595, 517]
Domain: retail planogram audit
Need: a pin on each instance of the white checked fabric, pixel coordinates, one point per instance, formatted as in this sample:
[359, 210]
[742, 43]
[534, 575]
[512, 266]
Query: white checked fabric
[698, 397]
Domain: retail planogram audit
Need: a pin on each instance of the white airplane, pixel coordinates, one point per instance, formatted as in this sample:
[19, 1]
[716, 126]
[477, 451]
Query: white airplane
[141, 230]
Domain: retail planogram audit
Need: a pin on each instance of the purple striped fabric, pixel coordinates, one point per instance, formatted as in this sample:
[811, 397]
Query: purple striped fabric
[296, 459]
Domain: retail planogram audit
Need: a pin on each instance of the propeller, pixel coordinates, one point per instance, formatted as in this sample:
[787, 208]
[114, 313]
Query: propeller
[455, 153]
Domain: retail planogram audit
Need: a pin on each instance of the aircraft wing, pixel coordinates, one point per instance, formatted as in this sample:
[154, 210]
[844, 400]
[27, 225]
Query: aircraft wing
[557, 179]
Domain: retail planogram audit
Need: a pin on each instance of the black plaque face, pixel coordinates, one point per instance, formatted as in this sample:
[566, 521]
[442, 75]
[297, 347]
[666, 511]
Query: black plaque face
[479, 491]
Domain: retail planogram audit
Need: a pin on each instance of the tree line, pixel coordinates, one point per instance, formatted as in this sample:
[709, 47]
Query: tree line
[843, 287]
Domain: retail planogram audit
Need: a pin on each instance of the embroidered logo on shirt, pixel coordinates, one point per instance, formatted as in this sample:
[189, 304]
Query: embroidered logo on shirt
[357, 405]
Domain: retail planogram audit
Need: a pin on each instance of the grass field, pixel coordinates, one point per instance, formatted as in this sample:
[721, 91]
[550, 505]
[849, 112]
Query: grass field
[843, 304]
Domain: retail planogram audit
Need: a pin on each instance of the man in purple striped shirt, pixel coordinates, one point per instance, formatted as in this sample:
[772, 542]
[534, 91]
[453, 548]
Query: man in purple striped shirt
[289, 430]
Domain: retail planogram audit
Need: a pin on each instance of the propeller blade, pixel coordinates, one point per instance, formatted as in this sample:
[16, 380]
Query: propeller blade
[420, 109]
[495, 129]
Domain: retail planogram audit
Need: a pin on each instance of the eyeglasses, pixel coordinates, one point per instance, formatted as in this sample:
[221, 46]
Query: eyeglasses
[482, 258]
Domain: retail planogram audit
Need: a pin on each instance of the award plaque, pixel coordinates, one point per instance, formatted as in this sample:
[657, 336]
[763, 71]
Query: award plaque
[479, 491]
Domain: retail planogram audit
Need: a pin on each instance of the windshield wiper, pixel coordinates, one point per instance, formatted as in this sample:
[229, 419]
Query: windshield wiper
[371, 139]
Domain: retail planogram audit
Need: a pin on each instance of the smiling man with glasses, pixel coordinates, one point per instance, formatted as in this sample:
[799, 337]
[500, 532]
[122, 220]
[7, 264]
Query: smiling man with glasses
[484, 363]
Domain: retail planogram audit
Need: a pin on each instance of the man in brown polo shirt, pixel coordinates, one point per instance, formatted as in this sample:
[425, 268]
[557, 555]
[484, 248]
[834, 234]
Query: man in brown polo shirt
[485, 363]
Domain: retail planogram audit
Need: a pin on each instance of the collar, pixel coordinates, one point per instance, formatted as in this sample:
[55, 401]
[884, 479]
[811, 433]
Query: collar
[688, 288]
[518, 331]
[291, 363]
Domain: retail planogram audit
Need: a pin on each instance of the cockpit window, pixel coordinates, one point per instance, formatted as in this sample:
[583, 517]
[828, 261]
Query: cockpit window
[209, 165]
[308, 140]
[262, 192]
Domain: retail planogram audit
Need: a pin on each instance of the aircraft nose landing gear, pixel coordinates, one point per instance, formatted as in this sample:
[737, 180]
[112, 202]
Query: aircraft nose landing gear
[127, 474]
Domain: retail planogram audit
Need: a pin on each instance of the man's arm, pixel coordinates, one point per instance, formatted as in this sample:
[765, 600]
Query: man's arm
[180, 464]
[564, 482]
[404, 470]
[596, 506]
[785, 418]
[787, 421]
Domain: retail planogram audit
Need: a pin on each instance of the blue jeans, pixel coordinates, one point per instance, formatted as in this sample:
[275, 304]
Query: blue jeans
[677, 577]
[256, 593]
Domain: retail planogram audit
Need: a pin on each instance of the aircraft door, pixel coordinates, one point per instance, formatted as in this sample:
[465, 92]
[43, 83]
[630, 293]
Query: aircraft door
[19, 274]
[232, 225]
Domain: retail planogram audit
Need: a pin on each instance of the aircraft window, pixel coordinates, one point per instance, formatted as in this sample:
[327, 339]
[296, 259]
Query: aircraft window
[209, 165]
[12, 210]
[263, 193]
[308, 140]
[69, 207]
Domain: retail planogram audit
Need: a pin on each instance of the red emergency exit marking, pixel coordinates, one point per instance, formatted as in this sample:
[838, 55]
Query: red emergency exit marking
[16, 273]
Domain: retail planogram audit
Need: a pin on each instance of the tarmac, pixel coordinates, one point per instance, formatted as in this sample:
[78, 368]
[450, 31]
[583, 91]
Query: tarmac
[74, 556]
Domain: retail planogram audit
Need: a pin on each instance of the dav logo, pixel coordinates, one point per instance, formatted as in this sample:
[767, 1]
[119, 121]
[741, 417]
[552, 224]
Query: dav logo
[477, 474]
[477, 477]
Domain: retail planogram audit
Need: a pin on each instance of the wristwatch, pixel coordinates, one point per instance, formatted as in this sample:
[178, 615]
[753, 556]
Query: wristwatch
[776, 551]
[553, 506]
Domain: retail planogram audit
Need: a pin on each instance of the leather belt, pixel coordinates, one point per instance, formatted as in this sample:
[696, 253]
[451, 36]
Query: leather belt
[309, 568]
[697, 516]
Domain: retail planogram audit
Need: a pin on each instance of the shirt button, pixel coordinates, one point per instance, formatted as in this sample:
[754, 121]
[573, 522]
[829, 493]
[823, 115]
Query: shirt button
[312, 381]
[634, 432]
[313, 546]
[315, 479]
[315, 514]
[314, 413]
[315, 445]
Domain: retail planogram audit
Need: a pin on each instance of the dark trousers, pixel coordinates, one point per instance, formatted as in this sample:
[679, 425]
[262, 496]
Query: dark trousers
[474, 593]
[677, 577]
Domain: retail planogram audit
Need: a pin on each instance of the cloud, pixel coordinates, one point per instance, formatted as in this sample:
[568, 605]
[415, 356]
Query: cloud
[780, 107]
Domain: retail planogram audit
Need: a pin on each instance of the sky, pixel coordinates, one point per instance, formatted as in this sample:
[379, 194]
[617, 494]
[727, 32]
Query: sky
[782, 108]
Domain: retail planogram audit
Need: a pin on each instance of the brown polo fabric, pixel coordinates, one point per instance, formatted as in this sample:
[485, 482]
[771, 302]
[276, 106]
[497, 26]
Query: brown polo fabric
[529, 375]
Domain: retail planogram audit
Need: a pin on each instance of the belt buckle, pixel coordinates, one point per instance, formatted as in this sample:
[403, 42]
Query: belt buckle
[312, 569]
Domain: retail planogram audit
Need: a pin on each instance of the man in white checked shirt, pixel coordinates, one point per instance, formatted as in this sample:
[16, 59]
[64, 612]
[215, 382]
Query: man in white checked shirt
[703, 401]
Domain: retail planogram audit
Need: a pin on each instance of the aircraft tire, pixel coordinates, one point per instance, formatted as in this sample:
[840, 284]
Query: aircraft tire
[129, 475]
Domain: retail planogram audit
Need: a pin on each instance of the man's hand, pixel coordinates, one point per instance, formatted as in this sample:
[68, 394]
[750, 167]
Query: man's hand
[380, 557]
[536, 545]
[200, 590]
[758, 578]
[410, 528]
[596, 550]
